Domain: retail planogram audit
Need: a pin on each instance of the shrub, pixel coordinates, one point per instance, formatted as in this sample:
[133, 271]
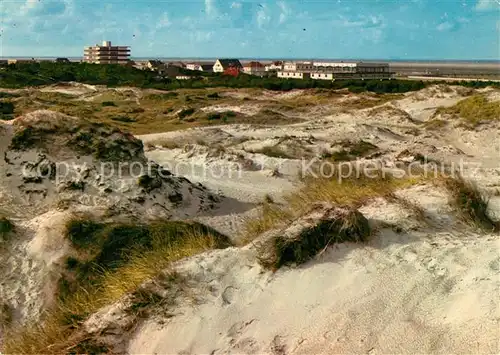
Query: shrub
[6, 108]
[24, 139]
[351, 151]
[163, 96]
[124, 119]
[137, 110]
[224, 116]
[213, 95]
[6, 227]
[214, 116]
[186, 112]
[149, 183]
[108, 103]
[7, 95]
[274, 152]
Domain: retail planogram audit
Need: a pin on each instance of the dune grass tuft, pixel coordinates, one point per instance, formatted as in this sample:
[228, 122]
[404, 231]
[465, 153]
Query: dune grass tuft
[123, 257]
[470, 202]
[353, 192]
[6, 226]
[302, 240]
[274, 152]
[474, 110]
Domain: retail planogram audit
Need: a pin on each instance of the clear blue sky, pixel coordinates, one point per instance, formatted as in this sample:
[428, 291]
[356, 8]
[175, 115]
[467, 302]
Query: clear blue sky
[392, 29]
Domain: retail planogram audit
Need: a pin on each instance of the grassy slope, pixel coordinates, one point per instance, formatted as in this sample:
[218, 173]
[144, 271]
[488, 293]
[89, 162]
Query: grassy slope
[110, 261]
[474, 110]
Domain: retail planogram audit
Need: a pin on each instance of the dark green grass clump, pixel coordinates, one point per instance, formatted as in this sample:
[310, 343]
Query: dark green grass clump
[351, 151]
[108, 246]
[297, 249]
[6, 227]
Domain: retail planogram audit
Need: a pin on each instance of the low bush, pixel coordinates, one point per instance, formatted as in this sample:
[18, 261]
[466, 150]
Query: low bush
[162, 96]
[186, 112]
[124, 119]
[6, 108]
[6, 227]
[351, 151]
[8, 95]
[274, 152]
[108, 103]
[223, 116]
[149, 183]
[137, 110]
[26, 138]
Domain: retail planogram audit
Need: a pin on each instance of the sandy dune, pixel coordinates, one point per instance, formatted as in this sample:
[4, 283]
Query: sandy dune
[424, 283]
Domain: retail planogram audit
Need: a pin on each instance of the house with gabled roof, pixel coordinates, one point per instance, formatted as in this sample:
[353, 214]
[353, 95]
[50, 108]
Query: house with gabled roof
[206, 67]
[221, 65]
[254, 68]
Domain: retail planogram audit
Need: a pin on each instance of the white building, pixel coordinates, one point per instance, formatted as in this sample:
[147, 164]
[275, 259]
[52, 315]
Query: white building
[206, 67]
[290, 66]
[193, 66]
[107, 54]
[254, 68]
[222, 64]
[292, 75]
[351, 67]
[322, 76]
[274, 66]
[298, 66]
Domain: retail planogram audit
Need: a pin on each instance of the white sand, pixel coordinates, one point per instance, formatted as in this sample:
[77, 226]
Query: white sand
[433, 288]
[420, 292]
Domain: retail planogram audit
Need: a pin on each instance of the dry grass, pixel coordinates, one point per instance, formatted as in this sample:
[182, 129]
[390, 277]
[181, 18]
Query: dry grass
[391, 111]
[435, 124]
[149, 111]
[469, 202]
[353, 192]
[51, 335]
[474, 110]
[303, 240]
[274, 151]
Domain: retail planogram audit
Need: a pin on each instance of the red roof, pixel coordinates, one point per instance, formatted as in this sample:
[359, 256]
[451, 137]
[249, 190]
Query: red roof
[233, 71]
[254, 65]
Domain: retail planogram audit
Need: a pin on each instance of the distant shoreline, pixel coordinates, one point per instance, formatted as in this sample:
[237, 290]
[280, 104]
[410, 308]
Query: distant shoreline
[187, 59]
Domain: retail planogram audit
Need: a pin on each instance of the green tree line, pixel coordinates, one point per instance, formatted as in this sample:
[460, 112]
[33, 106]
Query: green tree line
[21, 75]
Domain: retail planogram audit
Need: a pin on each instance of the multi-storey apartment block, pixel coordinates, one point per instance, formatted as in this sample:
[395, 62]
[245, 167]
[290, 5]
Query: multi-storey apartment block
[107, 54]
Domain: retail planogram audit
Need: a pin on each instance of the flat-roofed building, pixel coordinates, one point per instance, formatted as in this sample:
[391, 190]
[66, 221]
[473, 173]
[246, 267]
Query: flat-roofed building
[107, 54]
[322, 76]
[293, 75]
[360, 68]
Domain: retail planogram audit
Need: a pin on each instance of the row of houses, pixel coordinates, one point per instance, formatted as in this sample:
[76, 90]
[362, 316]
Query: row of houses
[293, 69]
[106, 53]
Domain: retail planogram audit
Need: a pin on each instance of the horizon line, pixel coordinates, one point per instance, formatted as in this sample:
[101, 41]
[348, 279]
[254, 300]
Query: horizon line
[273, 58]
